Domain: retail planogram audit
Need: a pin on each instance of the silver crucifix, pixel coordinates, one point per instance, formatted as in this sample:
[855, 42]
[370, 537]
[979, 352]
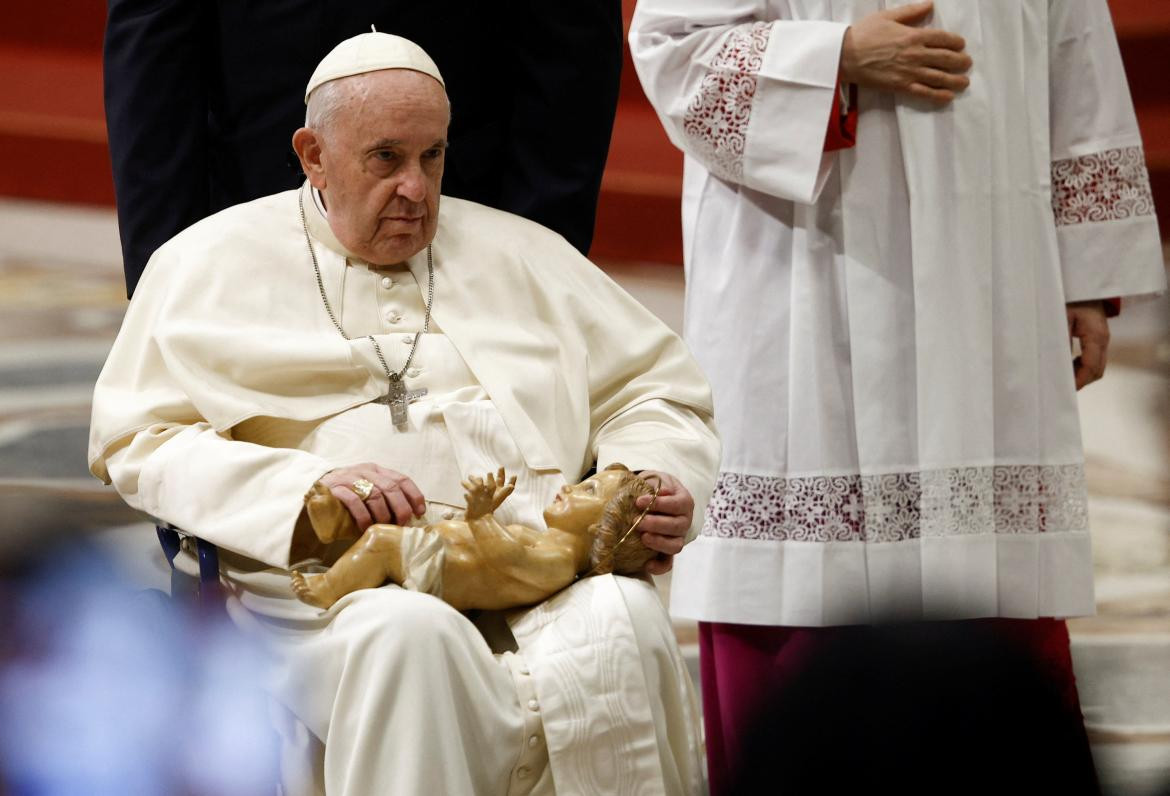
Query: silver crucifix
[398, 398]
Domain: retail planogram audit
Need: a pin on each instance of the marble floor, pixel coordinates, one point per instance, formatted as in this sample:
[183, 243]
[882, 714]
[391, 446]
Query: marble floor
[62, 299]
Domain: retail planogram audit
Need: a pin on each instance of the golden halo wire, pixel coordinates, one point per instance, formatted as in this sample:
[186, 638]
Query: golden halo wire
[626, 535]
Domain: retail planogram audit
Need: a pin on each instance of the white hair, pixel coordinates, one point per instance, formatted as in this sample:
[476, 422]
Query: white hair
[324, 104]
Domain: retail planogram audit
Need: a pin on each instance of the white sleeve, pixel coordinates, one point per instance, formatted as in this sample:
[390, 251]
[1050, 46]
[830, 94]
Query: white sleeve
[661, 435]
[1101, 199]
[237, 495]
[747, 96]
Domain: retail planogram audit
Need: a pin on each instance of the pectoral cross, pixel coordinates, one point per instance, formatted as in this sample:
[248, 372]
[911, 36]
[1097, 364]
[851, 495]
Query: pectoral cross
[398, 398]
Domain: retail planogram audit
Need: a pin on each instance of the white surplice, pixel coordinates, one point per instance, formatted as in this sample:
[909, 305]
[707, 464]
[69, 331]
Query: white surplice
[228, 393]
[884, 327]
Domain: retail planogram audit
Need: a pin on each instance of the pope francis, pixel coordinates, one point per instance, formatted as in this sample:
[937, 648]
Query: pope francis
[353, 333]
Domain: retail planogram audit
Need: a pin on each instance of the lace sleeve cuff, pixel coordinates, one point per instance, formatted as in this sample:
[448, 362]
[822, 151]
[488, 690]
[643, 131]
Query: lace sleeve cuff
[1106, 227]
[758, 117]
[1103, 186]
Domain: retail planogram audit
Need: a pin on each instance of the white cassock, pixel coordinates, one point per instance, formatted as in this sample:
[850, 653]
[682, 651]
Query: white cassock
[229, 392]
[884, 327]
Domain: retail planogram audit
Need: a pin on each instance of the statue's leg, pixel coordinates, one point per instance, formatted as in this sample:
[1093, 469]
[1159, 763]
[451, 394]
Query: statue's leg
[374, 558]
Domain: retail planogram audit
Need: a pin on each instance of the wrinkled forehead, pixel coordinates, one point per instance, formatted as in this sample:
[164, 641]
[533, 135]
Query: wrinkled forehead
[391, 86]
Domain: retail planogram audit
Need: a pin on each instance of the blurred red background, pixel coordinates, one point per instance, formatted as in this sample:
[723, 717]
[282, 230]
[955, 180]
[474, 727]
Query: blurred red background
[52, 130]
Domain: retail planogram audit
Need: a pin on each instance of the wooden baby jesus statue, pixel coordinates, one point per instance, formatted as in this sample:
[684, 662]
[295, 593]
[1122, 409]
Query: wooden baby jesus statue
[478, 563]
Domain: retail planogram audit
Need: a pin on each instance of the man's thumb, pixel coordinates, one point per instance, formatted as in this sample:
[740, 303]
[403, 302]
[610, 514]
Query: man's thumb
[910, 14]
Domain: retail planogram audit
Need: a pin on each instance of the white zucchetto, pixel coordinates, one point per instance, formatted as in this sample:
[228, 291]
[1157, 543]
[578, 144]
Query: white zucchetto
[370, 52]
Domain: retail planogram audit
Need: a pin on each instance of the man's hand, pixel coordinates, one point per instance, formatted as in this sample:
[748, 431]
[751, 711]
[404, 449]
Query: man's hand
[484, 495]
[884, 51]
[1087, 323]
[395, 499]
[664, 528]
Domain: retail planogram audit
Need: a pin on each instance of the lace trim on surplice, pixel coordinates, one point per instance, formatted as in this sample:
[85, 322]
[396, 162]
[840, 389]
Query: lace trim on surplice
[717, 117]
[1004, 499]
[1104, 186]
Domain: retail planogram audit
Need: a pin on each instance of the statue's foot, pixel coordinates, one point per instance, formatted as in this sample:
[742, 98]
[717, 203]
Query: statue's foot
[313, 589]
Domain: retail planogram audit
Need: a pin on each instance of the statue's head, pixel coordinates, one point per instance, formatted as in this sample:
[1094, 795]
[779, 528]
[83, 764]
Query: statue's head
[603, 506]
[374, 144]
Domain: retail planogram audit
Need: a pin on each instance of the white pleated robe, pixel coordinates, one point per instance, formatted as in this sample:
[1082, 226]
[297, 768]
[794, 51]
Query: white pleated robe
[884, 327]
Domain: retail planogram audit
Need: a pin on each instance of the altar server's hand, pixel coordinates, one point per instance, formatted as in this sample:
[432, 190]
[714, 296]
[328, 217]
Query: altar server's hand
[886, 52]
[665, 527]
[394, 499]
[1088, 324]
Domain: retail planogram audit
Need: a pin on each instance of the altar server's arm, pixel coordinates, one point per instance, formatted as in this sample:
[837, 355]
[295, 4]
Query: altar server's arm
[747, 97]
[755, 99]
[1105, 223]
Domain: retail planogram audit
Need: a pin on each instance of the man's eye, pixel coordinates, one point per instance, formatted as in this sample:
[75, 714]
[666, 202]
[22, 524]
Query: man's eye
[384, 155]
[431, 154]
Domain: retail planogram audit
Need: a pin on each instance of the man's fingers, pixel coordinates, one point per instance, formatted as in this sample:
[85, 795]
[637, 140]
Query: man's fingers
[664, 525]
[355, 506]
[397, 489]
[379, 508]
[909, 14]
[942, 39]
[400, 506]
[1089, 326]
[659, 565]
[1090, 365]
[936, 95]
[414, 496]
[671, 545]
[938, 79]
[666, 504]
[953, 62]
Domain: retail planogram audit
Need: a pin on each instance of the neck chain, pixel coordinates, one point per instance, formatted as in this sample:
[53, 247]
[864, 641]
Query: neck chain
[397, 396]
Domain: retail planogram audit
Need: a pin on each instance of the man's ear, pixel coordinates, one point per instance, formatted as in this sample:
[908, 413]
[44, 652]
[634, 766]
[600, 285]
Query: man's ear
[307, 144]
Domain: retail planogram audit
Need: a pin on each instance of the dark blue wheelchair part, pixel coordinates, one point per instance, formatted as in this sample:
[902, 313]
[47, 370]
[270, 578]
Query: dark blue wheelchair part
[204, 592]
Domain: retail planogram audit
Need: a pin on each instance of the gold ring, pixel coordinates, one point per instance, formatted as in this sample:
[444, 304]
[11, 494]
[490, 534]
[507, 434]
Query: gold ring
[362, 488]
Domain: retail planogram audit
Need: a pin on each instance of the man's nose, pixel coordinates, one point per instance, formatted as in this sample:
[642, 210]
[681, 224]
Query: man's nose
[414, 184]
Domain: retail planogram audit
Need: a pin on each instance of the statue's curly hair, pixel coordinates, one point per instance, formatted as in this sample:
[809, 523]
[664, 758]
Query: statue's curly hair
[630, 557]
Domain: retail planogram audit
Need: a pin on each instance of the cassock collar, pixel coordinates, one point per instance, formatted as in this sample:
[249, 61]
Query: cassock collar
[319, 225]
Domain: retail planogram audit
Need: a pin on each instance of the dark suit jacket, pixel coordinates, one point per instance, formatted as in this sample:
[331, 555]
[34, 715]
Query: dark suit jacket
[203, 96]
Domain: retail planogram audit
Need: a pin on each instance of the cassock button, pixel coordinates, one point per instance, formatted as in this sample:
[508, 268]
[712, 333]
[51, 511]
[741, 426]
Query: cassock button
[387, 282]
[393, 317]
[534, 706]
[408, 339]
[524, 670]
[413, 373]
[448, 515]
[533, 741]
[523, 772]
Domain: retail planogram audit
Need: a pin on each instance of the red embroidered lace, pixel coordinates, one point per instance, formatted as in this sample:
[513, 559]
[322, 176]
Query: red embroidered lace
[1006, 499]
[1104, 186]
[717, 117]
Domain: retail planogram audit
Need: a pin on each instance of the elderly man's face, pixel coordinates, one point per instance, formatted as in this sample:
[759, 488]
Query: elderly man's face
[380, 163]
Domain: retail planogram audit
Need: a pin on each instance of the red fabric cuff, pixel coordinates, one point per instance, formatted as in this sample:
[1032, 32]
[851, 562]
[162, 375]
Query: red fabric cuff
[842, 132]
[1112, 307]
